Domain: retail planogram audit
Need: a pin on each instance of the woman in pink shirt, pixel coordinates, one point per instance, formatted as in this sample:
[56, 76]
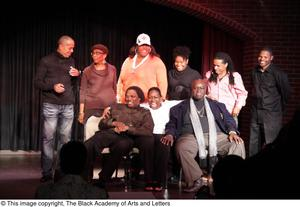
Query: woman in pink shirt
[225, 85]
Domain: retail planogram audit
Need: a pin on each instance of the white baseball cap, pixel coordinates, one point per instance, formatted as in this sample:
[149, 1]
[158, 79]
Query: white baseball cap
[143, 39]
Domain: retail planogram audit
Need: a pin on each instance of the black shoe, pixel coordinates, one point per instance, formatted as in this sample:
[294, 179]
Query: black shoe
[46, 178]
[58, 174]
[203, 193]
[197, 185]
[100, 184]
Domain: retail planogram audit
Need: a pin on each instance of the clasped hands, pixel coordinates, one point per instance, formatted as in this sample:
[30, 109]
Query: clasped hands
[120, 127]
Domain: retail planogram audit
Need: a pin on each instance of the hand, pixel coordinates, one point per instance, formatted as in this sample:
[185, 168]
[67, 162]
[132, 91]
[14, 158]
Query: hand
[81, 117]
[106, 113]
[123, 128]
[167, 140]
[235, 111]
[59, 88]
[234, 137]
[74, 72]
[120, 126]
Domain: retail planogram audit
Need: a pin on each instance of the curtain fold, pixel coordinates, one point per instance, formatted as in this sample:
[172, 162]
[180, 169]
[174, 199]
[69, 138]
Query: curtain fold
[216, 40]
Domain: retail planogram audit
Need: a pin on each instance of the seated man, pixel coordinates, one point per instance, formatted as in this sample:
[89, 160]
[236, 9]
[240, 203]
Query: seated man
[71, 185]
[201, 126]
[126, 126]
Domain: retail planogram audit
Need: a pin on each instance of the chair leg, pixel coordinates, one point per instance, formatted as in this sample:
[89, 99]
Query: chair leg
[127, 171]
[180, 178]
[166, 182]
[116, 173]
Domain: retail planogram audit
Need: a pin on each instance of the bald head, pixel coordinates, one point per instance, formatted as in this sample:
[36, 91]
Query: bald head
[63, 39]
[199, 88]
[65, 46]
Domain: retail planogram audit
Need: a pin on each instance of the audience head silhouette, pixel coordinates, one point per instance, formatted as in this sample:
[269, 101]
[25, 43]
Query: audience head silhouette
[73, 157]
[227, 176]
[71, 185]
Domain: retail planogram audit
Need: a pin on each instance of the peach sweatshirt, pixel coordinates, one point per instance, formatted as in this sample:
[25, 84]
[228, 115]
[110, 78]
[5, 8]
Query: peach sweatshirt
[152, 73]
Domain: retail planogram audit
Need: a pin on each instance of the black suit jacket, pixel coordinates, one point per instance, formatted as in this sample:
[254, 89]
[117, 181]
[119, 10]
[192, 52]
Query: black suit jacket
[222, 117]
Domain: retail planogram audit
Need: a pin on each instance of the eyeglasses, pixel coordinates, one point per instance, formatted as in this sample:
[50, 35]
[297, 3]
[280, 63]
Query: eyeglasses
[97, 53]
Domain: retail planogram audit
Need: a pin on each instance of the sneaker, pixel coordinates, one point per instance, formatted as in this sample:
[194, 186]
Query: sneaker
[58, 174]
[100, 184]
[203, 193]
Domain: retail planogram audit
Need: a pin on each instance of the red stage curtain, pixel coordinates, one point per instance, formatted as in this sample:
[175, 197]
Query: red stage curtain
[216, 40]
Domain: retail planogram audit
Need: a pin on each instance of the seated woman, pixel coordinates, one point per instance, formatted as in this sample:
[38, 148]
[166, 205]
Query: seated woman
[160, 113]
[127, 125]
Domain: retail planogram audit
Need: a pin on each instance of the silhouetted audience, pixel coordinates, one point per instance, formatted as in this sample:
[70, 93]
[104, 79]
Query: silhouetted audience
[228, 177]
[73, 157]
[271, 174]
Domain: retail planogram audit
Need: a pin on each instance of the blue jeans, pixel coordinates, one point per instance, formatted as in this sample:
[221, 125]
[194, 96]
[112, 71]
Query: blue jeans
[56, 118]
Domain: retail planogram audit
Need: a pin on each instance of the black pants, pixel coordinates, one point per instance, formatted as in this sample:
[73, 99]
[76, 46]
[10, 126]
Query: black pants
[264, 129]
[119, 145]
[161, 158]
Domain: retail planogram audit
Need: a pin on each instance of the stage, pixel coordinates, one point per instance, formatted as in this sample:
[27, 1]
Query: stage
[20, 174]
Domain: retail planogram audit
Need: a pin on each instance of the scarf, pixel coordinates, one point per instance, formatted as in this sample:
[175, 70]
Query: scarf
[134, 66]
[212, 140]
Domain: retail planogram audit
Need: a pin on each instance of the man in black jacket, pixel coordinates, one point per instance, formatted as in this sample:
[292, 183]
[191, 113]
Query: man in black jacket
[270, 94]
[56, 78]
[201, 126]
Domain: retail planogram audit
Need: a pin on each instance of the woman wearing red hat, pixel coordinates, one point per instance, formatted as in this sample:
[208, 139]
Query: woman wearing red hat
[98, 85]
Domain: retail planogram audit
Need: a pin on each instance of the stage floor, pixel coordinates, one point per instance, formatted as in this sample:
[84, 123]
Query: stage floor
[20, 174]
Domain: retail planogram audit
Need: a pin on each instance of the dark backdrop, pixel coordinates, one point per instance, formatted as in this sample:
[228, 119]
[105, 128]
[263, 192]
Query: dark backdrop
[28, 33]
